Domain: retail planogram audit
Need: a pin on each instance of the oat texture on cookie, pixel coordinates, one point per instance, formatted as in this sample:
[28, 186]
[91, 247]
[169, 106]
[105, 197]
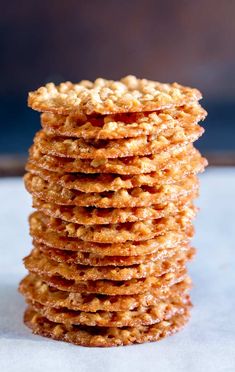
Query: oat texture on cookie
[113, 178]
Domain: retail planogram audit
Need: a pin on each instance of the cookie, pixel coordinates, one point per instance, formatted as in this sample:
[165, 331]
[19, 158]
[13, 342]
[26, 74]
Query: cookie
[128, 198]
[104, 337]
[143, 315]
[91, 259]
[122, 287]
[34, 289]
[124, 166]
[38, 263]
[79, 148]
[168, 240]
[178, 167]
[60, 234]
[92, 215]
[119, 126]
[107, 96]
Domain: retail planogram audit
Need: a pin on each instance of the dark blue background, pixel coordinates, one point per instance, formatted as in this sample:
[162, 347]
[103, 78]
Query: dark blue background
[185, 41]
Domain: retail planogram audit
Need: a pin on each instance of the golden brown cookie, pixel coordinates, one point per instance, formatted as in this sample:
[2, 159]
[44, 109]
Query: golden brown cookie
[79, 148]
[38, 263]
[92, 215]
[143, 315]
[107, 96]
[64, 235]
[143, 196]
[122, 287]
[104, 337]
[179, 167]
[124, 166]
[91, 259]
[168, 240]
[121, 125]
[34, 289]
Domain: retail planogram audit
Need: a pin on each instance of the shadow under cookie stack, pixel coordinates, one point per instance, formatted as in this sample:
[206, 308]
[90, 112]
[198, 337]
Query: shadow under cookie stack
[113, 176]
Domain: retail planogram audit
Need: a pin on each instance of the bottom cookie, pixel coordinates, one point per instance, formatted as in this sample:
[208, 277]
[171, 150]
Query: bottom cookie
[104, 337]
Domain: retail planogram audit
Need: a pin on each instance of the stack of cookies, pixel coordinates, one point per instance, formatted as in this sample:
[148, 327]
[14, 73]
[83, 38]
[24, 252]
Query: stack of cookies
[113, 178]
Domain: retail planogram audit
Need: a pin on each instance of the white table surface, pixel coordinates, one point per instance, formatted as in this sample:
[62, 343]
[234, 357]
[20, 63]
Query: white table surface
[206, 344]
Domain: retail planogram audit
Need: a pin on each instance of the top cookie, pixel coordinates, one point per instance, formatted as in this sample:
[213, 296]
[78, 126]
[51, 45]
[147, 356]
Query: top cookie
[107, 96]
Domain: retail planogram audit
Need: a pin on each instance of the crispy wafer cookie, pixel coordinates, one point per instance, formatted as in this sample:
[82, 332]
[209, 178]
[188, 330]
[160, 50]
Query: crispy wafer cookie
[168, 240]
[121, 287]
[124, 166]
[136, 197]
[163, 233]
[102, 149]
[60, 234]
[179, 167]
[34, 289]
[38, 263]
[104, 337]
[121, 125]
[143, 315]
[91, 259]
[92, 215]
[107, 96]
